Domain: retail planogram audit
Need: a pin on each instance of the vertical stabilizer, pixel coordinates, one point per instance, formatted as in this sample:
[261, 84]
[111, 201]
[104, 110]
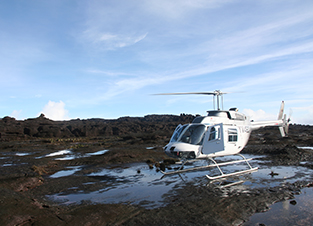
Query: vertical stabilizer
[281, 111]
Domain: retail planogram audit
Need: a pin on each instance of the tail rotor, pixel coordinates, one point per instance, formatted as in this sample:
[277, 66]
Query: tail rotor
[287, 122]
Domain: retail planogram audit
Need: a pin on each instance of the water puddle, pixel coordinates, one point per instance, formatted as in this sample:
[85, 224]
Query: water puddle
[7, 164]
[58, 153]
[309, 148]
[297, 211]
[9, 159]
[96, 153]
[136, 184]
[62, 152]
[23, 154]
[63, 173]
[70, 155]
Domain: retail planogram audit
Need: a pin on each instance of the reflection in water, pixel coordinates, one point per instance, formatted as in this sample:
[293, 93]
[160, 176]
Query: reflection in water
[125, 185]
[289, 212]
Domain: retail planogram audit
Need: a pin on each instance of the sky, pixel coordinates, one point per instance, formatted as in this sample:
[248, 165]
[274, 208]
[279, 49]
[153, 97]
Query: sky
[85, 59]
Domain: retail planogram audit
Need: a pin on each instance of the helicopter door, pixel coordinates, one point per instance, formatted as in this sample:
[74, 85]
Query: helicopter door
[213, 140]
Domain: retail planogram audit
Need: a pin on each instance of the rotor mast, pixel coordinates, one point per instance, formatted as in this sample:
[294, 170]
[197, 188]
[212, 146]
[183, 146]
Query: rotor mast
[219, 98]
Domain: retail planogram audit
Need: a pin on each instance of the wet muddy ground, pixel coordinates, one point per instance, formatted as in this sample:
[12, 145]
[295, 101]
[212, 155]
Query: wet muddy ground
[113, 181]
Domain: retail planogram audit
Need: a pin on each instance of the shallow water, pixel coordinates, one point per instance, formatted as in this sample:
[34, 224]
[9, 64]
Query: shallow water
[138, 184]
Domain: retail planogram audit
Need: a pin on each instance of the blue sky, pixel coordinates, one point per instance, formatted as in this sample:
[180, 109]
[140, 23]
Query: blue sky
[103, 59]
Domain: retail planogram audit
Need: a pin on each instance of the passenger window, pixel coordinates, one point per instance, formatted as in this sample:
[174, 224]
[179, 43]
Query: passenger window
[232, 135]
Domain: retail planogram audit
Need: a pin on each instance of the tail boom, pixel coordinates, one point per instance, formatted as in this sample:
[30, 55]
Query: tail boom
[281, 122]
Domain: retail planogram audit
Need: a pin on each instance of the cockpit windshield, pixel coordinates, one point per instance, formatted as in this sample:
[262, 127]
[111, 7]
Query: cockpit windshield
[193, 134]
[179, 129]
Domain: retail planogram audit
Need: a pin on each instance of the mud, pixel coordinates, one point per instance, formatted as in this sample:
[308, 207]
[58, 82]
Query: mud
[115, 180]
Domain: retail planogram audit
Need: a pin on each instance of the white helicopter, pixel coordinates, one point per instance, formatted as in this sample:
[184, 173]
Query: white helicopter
[220, 133]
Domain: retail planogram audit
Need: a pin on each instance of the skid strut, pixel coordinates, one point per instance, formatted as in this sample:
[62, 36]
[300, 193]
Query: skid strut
[223, 175]
[217, 165]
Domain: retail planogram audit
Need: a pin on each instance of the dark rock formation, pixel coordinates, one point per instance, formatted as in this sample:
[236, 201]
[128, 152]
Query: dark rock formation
[11, 129]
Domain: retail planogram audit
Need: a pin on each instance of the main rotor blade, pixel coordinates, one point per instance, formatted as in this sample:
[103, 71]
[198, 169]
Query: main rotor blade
[200, 93]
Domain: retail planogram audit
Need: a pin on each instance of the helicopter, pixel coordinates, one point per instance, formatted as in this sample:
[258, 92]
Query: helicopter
[220, 133]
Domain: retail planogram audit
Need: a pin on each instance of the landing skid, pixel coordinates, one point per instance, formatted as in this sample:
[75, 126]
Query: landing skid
[218, 166]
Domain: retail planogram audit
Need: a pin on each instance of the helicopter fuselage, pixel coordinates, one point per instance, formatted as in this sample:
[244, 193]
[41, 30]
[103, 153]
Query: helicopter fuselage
[220, 133]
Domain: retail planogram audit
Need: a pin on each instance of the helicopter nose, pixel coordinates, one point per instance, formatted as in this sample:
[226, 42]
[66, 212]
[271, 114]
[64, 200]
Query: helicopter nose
[169, 149]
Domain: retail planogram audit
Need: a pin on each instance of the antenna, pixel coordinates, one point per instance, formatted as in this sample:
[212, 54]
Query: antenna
[216, 94]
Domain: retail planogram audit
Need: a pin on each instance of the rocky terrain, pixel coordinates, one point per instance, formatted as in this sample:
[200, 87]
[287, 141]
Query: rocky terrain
[28, 151]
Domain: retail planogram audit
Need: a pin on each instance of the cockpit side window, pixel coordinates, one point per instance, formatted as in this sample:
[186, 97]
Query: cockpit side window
[215, 132]
[193, 134]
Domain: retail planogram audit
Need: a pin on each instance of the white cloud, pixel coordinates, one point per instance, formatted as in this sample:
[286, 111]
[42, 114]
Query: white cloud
[108, 73]
[304, 115]
[110, 41]
[55, 111]
[259, 115]
[176, 9]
